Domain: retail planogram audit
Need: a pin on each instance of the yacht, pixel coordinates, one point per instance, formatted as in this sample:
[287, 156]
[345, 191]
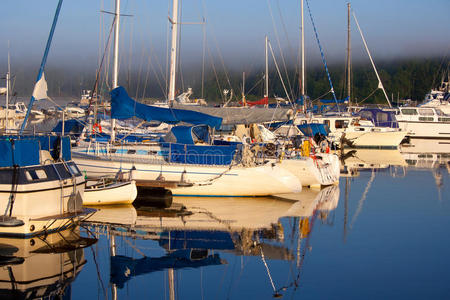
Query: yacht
[356, 132]
[424, 122]
[439, 98]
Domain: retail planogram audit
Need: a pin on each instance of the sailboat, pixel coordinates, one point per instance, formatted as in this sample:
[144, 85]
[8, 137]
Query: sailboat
[194, 168]
[353, 131]
[41, 188]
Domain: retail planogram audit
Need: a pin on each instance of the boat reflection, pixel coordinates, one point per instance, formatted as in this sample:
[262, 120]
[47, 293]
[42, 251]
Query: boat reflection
[355, 160]
[42, 267]
[427, 154]
[198, 232]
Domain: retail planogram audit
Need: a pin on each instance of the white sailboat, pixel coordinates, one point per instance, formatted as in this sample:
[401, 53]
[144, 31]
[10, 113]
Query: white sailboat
[41, 188]
[234, 178]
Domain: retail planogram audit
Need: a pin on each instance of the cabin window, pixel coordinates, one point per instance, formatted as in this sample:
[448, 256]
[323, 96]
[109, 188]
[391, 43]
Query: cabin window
[444, 119]
[382, 117]
[131, 151]
[327, 122]
[409, 111]
[74, 170]
[426, 119]
[426, 112]
[112, 151]
[340, 124]
[366, 115]
[35, 175]
[41, 174]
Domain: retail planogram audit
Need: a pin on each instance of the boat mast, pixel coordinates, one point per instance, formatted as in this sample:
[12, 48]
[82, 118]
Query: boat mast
[348, 55]
[173, 51]
[42, 85]
[8, 75]
[244, 102]
[266, 76]
[115, 61]
[380, 84]
[303, 58]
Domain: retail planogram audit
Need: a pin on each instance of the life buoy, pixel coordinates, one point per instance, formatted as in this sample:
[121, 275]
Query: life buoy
[97, 128]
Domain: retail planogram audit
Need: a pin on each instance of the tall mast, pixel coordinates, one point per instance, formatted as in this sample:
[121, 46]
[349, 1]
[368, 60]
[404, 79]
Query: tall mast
[303, 54]
[348, 55]
[115, 62]
[8, 75]
[244, 102]
[173, 51]
[266, 76]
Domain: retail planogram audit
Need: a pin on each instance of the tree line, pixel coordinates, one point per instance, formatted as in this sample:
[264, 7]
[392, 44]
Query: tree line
[403, 79]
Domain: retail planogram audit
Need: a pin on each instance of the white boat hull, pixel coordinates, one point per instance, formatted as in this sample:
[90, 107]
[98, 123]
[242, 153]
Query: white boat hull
[314, 172]
[201, 180]
[37, 215]
[118, 193]
[436, 130]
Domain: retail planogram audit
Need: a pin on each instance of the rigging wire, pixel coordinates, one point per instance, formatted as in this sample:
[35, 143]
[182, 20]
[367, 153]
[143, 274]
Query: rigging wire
[363, 198]
[279, 74]
[322, 54]
[291, 49]
[279, 46]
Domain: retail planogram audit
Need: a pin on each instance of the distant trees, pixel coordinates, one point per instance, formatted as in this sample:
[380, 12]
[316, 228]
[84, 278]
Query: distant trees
[407, 78]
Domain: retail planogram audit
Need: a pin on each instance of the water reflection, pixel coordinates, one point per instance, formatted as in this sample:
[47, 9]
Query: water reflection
[196, 233]
[41, 267]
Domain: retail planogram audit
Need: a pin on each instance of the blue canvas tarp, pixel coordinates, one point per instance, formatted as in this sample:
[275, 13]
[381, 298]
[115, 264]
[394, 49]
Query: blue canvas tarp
[22, 153]
[52, 143]
[123, 107]
[379, 117]
[311, 129]
[70, 127]
[202, 155]
[188, 134]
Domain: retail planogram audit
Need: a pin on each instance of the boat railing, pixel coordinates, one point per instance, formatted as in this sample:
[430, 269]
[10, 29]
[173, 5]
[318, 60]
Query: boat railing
[169, 153]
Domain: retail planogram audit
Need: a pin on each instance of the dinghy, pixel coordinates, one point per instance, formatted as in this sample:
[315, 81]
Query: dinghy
[107, 191]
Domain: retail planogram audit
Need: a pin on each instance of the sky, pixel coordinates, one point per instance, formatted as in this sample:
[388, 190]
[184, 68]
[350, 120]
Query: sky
[235, 30]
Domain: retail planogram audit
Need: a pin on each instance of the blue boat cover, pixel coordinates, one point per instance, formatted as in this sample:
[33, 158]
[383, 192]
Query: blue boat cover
[70, 126]
[311, 129]
[188, 134]
[52, 144]
[123, 107]
[379, 117]
[202, 155]
[24, 150]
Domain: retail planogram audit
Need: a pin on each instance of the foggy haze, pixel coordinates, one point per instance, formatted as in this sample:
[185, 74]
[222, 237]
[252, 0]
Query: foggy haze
[234, 33]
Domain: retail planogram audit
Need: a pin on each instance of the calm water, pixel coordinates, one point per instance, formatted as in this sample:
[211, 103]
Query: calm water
[382, 234]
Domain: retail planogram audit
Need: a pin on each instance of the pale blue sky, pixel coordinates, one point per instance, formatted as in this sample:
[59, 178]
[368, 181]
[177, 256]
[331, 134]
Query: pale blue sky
[393, 28]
